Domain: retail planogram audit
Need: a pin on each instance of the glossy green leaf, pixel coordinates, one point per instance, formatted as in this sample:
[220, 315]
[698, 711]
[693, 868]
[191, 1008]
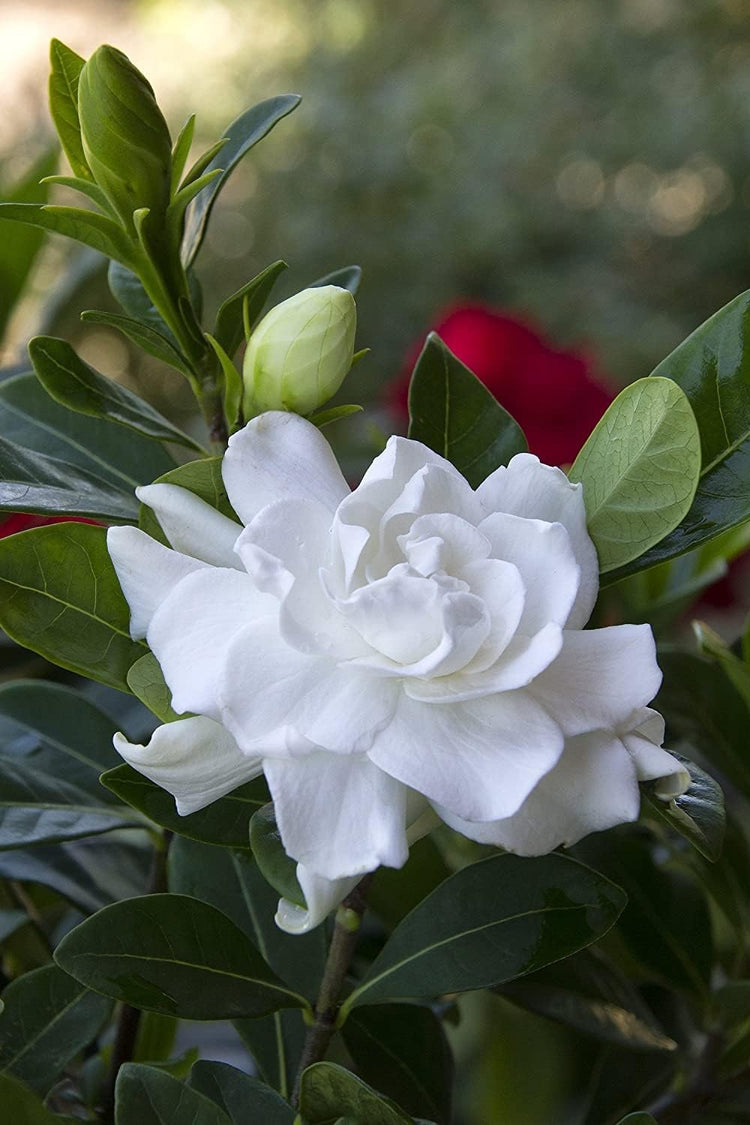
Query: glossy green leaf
[328, 1092]
[590, 994]
[242, 1098]
[117, 457]
[173, 954]
[147, 1095]
[252, 126]
[32, 482]
[278, 868]
[202, 477]
[639, 469]
[454, 414]
[22, 1107]
[100, 232]
[348, 277]
[489, 923]
[48, 1018]
[21, 244]
[253, 295]
[224, 822]
[66, 67]
[146, 337]
[59, 596]
[402, 1050]
[147, 683]
[77, 386]
[698, 814]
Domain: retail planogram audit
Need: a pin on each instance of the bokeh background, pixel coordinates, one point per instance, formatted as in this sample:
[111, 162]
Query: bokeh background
[583, 164]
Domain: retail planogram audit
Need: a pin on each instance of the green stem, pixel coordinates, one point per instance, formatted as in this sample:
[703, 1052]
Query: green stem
[343, 943]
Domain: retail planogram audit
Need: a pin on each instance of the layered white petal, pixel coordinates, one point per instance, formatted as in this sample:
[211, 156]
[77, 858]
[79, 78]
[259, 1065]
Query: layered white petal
[280, 456]
[535, 491]
[147, 572]
[600, 678]
[321, 895]
[193, 628]
[195, 759]
[592, 787]
[339, 815]
[191, 525]
[480, 758]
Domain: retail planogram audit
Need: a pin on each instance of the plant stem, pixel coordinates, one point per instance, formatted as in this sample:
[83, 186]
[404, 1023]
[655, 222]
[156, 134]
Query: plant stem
[343, 943]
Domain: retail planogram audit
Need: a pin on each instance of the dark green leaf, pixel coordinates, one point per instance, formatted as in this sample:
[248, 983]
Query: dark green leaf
[145, 1095]
[254, 294]
[118, 457]
[349, 277]
[277, 867]
[224, 822]
[589, 994]
[173, 954]
[63, 104]
[22, 1107]
[242, 1098]
[48, 1018]
[329, 1092]
[89, 227]
[251, 127]
[491, 922]
[454, 414]
[60, 597]
[77, 386]
[148, 338]
[146, 681]
[639, 469]
[698, 814]
[21, 244]
[402, 1050]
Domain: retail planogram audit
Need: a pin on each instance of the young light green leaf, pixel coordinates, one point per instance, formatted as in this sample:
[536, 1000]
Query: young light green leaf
[639, 469]
[147, 1095]
[228, 330]
[77, 386]
[454, 414]
[89, 227]
[698, 814]
[48, 1018]
[63, 104]
[60, 597]
[489, 923]
[173, 954]
[251, 127]
[278, 868]
[348, 277]
[241, 1097]
[328, 1093]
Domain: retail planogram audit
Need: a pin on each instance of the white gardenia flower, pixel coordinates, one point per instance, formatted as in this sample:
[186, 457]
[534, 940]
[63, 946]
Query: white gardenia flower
[408, 648]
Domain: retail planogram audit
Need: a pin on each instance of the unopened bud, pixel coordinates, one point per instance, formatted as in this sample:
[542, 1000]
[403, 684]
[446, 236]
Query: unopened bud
[125, 137]
[301, 351]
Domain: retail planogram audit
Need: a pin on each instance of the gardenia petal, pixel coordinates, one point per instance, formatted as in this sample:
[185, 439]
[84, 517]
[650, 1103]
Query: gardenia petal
[279, 456]
[321, 895]
[480, 758]
[191, 525]
[195, 759]
[147, 572]
[339, 815]
[535, 491]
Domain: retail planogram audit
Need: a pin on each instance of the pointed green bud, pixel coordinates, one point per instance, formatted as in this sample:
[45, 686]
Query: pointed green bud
[300, 352]
[125, 137]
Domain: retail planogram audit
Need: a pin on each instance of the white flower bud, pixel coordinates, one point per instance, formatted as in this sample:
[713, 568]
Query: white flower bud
[300, 352]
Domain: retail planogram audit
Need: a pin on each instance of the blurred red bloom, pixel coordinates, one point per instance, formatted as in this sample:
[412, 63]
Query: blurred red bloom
[551, 393]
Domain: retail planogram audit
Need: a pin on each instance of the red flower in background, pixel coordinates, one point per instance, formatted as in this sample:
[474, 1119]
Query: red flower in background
[551, 393]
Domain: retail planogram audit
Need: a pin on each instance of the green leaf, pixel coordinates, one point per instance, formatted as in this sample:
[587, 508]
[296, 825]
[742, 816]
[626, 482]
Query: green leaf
[145, 1095]
[77, 386]
[60, 597]
[152, 341]
[251, 127]
[33, 482]
[63, 104]
[325, 417]
[224, 822]
[278, 868]
[23, 1107]
[241, 1097]
[146, 681]
[204, 479]
[491, 922]
[48, 1018]
[639, 469]
[589, 994]
[21, 244]
[228, 329]
[89, 227]
[328, 1092]
[30, 418]
[348, 277]
[173, 954]
[402, 1050]
[698, 814]
[454, 414]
